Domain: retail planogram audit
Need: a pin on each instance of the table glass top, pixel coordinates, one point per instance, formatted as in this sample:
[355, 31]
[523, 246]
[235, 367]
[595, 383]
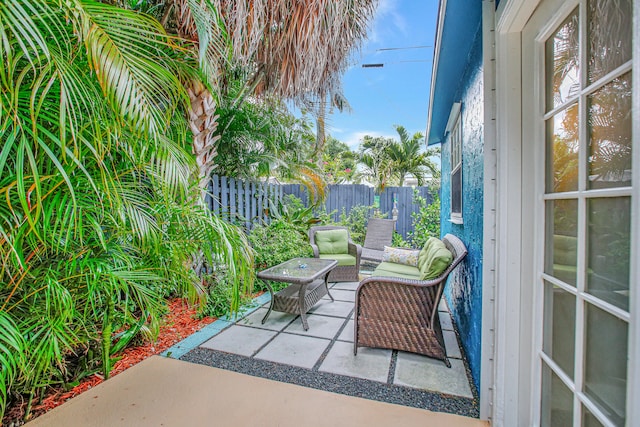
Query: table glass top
[298, 267]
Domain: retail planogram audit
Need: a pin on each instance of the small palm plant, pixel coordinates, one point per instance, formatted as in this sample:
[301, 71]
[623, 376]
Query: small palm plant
[100, 213]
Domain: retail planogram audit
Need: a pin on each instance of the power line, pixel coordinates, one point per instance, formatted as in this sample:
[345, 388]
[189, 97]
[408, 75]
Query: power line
[403, 48]
[380, 64]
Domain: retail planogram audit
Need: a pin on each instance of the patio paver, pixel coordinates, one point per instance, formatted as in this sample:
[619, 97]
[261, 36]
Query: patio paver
[445, 321]
[335, 308]
[415, 370]
[294, 350]
[370, 363]
[240, 340]
[347, 332]
[319, 326]
[451, 344]
[277, 321]
[343, 295]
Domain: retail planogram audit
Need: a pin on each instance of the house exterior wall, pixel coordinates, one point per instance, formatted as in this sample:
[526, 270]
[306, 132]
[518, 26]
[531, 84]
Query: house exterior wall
[464, 289]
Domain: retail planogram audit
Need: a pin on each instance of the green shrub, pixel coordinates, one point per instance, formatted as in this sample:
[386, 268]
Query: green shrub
[398, 241]
[219, 294]
[357, 220]
[426, 222]
[276, 243]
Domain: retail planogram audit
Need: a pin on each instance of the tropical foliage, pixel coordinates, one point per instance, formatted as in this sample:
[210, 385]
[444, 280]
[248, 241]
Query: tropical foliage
[387, 161]
[339, 162]
[99, 217]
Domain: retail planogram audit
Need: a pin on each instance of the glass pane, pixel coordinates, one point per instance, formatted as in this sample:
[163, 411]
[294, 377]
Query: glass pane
[608, 251]
[562, 151]
[557, 401]
[605, 373]
[559, 326]
[562, 63]
[561, 252]
[610, 134]
[609, 35]
[589, 420]
[456, 191]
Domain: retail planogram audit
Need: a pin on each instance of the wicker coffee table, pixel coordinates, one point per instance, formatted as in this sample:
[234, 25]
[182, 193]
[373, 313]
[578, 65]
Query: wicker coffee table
[308, 278]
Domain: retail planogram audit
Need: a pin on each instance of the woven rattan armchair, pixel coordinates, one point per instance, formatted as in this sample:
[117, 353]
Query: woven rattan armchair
[379, 234]
[341, 273]
[402, 314]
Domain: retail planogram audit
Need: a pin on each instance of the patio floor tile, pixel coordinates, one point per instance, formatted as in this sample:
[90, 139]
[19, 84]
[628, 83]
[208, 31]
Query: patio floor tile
[347, 332]
[295, 350]
[445, 321]
[349, 286]
[319, 326]
[423, 372]
[372, 364]
[336, 308]
[451, 344]
[239, 340]
[277, 321]
[343, 295]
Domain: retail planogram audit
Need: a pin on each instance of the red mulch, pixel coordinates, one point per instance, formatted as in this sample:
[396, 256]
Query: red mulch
[178, 324]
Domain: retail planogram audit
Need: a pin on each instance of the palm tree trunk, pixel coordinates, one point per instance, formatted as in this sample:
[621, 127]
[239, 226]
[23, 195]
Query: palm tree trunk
[321, 136]
[203, 123]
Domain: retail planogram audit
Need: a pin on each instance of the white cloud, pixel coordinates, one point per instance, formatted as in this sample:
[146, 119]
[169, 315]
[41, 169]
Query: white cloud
[353, 139]
[387, 20]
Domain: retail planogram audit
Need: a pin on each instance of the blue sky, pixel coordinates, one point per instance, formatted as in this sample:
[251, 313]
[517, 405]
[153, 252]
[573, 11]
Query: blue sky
[397, 93]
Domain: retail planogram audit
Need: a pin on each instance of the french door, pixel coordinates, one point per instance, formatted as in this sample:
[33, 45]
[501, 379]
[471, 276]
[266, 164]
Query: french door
[577, 124]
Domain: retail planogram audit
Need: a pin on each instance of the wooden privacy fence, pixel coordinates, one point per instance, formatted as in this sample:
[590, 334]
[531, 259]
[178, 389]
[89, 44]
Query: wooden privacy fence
[347, 196]
[243, 203]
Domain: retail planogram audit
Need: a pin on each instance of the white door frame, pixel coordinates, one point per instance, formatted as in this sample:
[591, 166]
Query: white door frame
[514, 372]
[513, 347]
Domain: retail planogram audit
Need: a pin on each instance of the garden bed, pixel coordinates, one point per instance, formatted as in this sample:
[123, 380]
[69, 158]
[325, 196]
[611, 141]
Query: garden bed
[178, 324]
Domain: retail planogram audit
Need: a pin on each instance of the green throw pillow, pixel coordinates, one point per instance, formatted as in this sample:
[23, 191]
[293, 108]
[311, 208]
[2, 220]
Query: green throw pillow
[332, 241]
[433, 259]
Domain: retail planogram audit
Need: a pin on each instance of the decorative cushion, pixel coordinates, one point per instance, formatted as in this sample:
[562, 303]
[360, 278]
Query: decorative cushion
[433, 259]
[343, 259]
[386, 268]
[400, 256]
[332, 241]
[385, 273]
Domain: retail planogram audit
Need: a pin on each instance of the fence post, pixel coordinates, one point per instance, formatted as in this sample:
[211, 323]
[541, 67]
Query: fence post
[260, 200]
[254, 203]
[224, 198]
[240, 202]
[215, 194]
[247, 205]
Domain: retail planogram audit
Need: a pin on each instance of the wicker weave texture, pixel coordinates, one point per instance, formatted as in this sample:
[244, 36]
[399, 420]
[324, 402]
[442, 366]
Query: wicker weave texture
[288, 300]
[379, 233]
[402, 314]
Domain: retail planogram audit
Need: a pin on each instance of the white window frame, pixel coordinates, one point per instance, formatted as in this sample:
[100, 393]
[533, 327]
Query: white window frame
[454, 129]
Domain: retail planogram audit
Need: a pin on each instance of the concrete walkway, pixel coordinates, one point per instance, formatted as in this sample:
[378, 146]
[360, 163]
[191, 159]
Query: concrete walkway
[166, 392]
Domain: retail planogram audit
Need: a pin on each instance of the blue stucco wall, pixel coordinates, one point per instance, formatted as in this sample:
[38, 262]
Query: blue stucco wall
[464, 288]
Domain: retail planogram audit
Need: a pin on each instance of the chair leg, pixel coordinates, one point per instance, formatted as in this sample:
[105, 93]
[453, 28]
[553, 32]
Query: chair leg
[446, 362]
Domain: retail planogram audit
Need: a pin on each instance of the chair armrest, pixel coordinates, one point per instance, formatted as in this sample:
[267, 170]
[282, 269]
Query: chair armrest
[356, 251]
[316, 253]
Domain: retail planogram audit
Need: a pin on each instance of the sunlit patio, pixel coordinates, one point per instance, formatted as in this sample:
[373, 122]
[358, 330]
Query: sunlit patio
[322, 357]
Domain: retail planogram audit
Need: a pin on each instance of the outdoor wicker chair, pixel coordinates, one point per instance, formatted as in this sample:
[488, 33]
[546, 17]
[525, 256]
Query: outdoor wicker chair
[347, 270]
[379, 234]
[402, 314]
